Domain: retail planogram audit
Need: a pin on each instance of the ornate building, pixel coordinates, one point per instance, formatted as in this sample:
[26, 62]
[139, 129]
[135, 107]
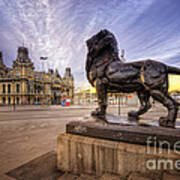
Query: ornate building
[22, 85]
[69, 81]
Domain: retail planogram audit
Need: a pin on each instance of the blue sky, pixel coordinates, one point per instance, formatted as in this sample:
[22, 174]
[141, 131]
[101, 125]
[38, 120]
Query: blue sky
[58, 29]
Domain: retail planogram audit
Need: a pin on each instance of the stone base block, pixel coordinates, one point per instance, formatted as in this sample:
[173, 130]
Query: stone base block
[86, 155]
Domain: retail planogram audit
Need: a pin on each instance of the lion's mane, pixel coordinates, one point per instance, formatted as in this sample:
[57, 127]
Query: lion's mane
[102, 43]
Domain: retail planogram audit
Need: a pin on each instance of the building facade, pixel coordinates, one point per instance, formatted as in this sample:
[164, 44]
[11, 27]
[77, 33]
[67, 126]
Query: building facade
[21, 84]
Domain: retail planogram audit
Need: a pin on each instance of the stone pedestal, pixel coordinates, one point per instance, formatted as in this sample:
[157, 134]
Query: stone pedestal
[84, 150]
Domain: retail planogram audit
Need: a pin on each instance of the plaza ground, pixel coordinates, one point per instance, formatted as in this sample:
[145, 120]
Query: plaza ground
[31, 131]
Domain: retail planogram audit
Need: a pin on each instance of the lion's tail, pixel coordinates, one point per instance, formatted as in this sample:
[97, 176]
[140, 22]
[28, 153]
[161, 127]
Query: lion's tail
[173, 70]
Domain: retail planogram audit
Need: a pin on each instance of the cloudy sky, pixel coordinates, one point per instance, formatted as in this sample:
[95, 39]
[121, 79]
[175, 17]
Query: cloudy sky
[58, 29]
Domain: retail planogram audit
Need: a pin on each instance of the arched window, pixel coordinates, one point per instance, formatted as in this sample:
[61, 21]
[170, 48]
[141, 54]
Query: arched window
[29, 88]
[4, 88]
[17, 100]
[29, 100]
[17, 88]
[9, 88]
[67, 92]
[9, 100]
[4, 100]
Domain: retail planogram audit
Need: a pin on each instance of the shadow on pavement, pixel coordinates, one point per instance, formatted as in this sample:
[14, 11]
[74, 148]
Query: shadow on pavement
[41, 168]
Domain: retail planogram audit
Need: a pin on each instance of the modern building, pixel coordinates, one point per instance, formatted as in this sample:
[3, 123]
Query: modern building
[21, 84]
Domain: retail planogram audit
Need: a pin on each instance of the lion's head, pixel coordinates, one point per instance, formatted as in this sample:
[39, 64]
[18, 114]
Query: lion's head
[103, 40]
[101, 46]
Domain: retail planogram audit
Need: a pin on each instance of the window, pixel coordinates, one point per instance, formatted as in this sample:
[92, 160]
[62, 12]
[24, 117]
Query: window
[29, 88]
[29, 100]
[9, 88]
[4, 100]
[17, 88]
[4, 88]
[9, 100]
[18, 74]
[17, 100]
[67, 92]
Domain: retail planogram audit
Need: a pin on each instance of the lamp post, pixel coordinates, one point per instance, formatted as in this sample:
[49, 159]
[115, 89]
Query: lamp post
[119, 104]
[51, 98]
[14, 104]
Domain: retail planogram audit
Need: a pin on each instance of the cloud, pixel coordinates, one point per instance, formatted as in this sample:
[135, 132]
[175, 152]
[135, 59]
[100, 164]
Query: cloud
[58, 29]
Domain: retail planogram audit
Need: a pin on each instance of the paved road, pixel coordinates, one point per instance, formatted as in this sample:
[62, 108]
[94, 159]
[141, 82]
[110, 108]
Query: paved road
[25, 134]
[32, 131]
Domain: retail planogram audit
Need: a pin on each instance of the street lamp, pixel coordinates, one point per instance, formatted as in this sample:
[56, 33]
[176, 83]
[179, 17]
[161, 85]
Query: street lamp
[14, 104]
[43, 59]
[119, 104]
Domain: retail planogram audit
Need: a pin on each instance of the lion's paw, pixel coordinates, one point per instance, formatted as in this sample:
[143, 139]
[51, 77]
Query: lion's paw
[165, 122]
[132, 115]
[98, 113]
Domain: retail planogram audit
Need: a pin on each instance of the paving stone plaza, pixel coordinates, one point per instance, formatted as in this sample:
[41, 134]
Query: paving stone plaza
[31, 132]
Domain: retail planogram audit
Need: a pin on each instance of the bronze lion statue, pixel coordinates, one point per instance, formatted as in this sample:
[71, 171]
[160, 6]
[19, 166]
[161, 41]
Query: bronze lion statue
[108, 74]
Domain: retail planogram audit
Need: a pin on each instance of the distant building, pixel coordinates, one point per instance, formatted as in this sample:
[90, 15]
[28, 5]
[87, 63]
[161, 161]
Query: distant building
[22, 85]
[69, 81]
